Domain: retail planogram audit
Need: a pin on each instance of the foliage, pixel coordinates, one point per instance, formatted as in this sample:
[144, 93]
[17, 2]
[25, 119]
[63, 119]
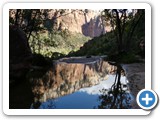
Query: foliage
[60, 42]
[43, 35]
[124, 23]
[102, 45]
[123, 57]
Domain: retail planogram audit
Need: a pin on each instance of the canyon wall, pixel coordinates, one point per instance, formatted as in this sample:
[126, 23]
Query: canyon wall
[84, 21]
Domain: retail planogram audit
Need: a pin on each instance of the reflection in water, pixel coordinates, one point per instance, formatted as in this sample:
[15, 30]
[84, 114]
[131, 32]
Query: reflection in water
[116, 97]
[97, 96]
[69, 75]
[114, 100]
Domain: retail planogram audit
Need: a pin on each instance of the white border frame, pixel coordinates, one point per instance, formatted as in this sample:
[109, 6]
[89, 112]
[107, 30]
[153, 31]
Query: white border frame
[104, 5]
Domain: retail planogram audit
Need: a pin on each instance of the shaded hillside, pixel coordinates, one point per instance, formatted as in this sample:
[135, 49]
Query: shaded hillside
[106, 45]
[97, 46]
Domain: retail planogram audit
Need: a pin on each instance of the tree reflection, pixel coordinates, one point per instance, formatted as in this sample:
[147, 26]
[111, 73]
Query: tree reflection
[50, 104]
[116, 97]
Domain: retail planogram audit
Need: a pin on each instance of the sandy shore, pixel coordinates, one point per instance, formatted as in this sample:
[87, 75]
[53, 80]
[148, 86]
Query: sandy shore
[135, 74]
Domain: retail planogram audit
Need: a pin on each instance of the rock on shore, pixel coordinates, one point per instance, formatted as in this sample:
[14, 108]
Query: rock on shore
[135, 74]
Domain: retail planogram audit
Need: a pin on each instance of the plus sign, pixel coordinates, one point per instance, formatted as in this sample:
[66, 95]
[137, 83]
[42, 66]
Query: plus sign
[147, 99]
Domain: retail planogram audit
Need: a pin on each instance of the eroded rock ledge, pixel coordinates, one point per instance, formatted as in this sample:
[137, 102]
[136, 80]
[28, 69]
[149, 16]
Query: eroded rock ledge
[135, 74]
[69, 75]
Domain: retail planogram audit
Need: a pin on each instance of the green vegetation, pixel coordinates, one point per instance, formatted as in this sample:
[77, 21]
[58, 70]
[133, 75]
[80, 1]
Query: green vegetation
[57, 44]
[121, 44]
[102, 45]
[45, 37]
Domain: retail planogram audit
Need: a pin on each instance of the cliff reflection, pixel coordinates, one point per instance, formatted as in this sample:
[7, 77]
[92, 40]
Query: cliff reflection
[95, 96]
[69, 75]
[65, 88]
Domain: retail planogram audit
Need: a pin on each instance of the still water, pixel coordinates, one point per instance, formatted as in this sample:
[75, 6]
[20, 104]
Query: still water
[89, 97]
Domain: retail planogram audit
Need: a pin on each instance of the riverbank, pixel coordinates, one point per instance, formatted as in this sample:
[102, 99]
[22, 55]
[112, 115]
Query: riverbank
[135, 74]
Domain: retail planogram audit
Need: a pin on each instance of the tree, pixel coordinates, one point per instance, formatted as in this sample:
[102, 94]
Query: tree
[36, 22]
[123, 23]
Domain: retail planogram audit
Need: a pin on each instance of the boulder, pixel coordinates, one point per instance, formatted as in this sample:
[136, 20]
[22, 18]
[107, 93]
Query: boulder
[19, 54]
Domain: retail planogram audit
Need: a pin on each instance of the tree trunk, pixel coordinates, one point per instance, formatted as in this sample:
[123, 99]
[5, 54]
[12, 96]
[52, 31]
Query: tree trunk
[17, 16]
[118, 23]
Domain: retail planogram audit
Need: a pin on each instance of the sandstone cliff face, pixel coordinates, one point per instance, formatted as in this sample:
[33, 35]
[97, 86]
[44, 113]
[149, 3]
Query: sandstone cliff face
[87, 22]
[69, 75]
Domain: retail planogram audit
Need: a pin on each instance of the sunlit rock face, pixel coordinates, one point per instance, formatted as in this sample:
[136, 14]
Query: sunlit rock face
[87, 22]
[69, 75]
[84, 21]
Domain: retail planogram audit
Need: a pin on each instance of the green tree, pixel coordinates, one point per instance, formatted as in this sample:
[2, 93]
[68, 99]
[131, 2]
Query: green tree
[123, 23]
